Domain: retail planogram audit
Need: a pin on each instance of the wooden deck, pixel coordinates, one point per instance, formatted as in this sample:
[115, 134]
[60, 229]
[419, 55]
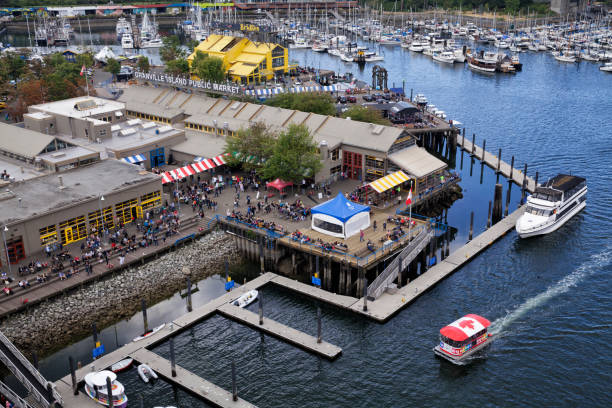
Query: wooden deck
[492, 161]
[358, 254]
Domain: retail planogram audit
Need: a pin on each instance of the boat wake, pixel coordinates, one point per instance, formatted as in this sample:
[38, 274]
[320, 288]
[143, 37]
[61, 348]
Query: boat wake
[594, 264]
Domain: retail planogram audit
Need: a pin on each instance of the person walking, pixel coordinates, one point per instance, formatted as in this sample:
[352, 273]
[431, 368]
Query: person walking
[360, 235]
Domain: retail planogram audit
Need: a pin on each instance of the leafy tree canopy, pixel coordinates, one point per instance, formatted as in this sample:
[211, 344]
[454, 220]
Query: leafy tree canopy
[320, 103]
[177, 66]
[257, 140]
[171, 50]
[207, 67]
[294, 156]
[363, 114]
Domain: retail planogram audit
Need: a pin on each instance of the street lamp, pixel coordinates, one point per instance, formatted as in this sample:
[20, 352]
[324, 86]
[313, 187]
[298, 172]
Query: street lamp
[8, 260]
[101, 213]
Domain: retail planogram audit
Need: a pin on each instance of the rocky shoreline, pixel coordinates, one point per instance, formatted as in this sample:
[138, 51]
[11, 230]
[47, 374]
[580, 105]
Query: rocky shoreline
[65, 319]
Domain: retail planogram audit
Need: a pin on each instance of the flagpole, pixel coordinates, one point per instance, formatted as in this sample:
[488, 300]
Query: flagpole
[410, 219]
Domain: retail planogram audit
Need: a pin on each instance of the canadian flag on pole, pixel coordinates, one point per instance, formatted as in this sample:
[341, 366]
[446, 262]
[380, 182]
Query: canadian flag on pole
[409, 198]
[82, 70]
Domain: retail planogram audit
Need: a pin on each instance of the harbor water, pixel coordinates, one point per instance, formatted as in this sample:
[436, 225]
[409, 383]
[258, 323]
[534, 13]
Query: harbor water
[548, 297]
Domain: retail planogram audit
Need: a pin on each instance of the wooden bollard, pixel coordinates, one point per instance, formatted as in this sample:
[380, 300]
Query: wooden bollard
[484, 146]
[75, 389]
[189, 304]
[145, 322]
[318, 324]
[499, 161]
[234, 385]
[471, 225]
[489, 214]
[109, 390]
[172, 358]
[260, 308]
[511, 168]
[497, 204]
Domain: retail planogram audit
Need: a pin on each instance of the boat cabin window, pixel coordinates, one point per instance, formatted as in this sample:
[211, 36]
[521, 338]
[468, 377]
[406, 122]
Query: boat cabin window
[459, 344]
[547, 194]
[537, 211]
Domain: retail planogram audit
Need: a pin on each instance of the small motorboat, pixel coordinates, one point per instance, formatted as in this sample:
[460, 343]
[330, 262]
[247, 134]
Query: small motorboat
[122, 365]
[95, 387]
[462, 338]
[150, 332]
[246, 299]
[146, 373]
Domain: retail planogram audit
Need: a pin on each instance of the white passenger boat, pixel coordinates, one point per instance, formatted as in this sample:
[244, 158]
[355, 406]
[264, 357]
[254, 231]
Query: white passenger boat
[154, 43]
[607, 67]
[444, 56]
[95, 387]
[146, 373]
[462, 338]
[150, 332]
[564, 57]
[127, 42]
[246, 299]
[552, 205]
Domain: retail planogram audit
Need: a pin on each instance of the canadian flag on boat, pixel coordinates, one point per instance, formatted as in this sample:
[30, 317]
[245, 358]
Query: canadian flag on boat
[409, 198]
[82, 70]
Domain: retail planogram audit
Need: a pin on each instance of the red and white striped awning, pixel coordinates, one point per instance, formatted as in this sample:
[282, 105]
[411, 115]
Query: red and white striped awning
[220, 160]
[166, 178]
[203, 165]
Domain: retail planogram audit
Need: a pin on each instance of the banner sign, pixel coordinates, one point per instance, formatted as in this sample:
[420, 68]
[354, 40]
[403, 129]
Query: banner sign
[252, 28]
[169, 79]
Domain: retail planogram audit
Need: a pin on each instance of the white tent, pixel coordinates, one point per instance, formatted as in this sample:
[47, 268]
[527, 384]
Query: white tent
[104, 55]
[340, 217]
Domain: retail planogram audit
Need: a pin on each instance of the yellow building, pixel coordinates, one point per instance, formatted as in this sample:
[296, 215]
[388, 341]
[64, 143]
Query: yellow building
[244, 60]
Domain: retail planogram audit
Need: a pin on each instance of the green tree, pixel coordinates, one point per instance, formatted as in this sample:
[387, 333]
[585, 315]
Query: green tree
[257, 140]
[512, 6]
[85, 59]
[207, 67]
[294, 156]
[177, 67]
[12, 66]
[363, 114]
[320, 103]
[113, 66]
[171, 50]
[143, 64]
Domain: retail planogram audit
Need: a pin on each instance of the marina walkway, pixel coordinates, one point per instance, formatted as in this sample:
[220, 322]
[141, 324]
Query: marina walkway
[493, 161]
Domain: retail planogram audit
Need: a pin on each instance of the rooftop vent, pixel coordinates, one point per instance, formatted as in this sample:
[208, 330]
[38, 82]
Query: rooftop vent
[378, 129]
[235, 105]
[85, 105]
[127, 132]
[58, 154]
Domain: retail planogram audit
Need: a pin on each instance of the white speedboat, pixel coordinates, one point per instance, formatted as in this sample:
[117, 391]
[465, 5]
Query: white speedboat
[95, 387]
[127, 42]
[374, 58]
[564, 57]
[607, 67]
[150, 332]
[146, 373]
[551, 205]
[444, 56]
[246, 299]
[154, 43]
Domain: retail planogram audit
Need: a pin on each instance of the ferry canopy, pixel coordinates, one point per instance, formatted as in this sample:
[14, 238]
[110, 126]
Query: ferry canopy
[340, 217]
[464, 328]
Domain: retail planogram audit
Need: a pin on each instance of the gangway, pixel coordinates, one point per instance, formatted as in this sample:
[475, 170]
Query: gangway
[401, 261]
[41, 390]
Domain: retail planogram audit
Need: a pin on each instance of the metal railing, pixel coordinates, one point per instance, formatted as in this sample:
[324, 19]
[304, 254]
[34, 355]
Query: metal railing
[378, 286]
[268, 231]
[8, 355]
[17, 401]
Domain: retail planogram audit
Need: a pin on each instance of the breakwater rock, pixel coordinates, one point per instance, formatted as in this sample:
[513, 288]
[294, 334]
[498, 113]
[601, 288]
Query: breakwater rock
[54, 324]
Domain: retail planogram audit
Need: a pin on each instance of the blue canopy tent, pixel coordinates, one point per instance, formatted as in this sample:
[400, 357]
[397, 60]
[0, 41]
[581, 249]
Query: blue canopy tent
[340, 217]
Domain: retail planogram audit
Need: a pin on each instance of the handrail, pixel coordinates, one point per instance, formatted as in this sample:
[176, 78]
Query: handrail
[270, 232]
[17, 401]
[32, 370]
[379, 284]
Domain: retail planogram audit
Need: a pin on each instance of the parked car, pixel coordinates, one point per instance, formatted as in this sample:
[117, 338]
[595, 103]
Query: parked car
[341, 99]
[368, 98]
[351, 99]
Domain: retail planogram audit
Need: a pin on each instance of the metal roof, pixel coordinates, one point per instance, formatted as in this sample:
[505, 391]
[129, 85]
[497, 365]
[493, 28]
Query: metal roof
[23, 142]
[416, 161]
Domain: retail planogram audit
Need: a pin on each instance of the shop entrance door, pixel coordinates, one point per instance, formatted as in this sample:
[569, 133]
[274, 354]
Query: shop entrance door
[157, 157]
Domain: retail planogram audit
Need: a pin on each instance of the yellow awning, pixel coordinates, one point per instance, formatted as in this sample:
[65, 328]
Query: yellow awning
[390, 181]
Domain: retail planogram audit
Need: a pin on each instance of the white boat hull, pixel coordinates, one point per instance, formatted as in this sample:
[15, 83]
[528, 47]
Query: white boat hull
[548, 228]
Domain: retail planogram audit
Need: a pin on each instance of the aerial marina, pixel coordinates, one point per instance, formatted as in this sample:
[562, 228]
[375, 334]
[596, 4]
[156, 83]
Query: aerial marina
[294, 203]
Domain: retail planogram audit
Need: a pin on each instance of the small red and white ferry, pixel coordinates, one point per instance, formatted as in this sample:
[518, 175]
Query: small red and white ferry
[462, 338]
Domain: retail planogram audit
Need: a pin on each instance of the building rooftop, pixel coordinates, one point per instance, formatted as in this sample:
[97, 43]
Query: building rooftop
[23, 142]
[43, 194]
[69, 154]
[80, 107]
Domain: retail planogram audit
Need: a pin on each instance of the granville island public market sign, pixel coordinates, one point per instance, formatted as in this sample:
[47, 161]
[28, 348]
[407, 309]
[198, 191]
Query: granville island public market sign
[187, 82]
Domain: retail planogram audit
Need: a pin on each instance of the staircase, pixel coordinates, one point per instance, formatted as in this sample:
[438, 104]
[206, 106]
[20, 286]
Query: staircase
[408, 254]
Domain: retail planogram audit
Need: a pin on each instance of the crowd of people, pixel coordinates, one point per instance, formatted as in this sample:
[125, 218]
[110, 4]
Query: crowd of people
[325, 246]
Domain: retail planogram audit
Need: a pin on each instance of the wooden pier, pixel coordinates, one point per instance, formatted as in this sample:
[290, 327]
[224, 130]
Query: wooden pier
[495, 162]
[288, 334]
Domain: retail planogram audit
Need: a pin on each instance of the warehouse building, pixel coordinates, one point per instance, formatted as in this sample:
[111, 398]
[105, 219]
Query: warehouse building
[66, 208]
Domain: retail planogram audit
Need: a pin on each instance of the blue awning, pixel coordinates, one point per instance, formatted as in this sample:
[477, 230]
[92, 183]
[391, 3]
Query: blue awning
[138, 158]
[340, 208]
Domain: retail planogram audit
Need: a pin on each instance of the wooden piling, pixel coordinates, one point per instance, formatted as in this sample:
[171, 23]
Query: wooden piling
[497, 206]
[260, 308]
[499, 161]
[234, 386]
[262, 266]
[473, 143]
[484, 146]
[35, 359]
[537, 177]
[75, 387]
[447, 241]
[143, 305]
[172, 358]
[489, 213]
[399, 271]
[508, 198]
[189, 304]
[319, 337]
[109, 391]
[511, 168]
[365, 294]
[471, 225]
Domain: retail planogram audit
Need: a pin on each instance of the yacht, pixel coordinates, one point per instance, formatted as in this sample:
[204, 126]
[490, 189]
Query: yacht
[483, 61]
[127, 42]
[607, 67]
[154, 43]
[551, 205]
[559, 56]
[444, 56]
